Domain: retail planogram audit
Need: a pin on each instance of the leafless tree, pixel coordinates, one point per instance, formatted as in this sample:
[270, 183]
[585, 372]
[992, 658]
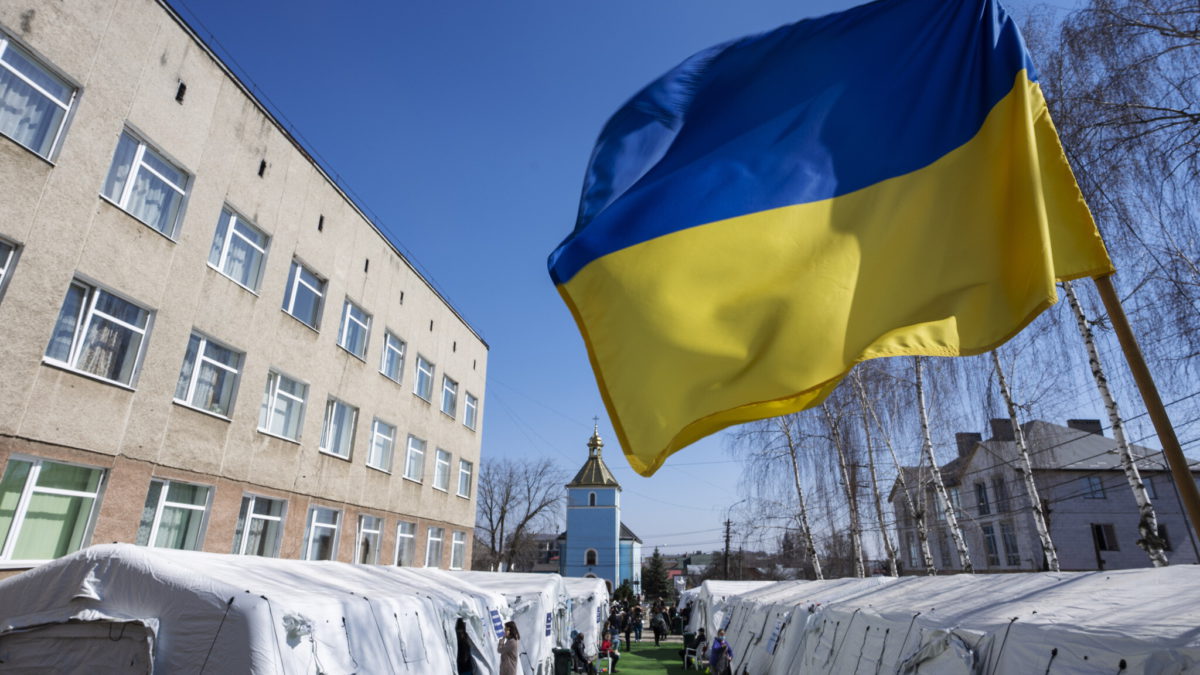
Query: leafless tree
[517, 498]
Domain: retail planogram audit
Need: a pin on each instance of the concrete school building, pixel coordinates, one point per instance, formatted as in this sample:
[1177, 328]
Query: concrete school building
[597, 544]
[204, 342]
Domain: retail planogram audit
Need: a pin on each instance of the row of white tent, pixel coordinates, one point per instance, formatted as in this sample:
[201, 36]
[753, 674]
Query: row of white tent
[126, 609]
[1127, 622]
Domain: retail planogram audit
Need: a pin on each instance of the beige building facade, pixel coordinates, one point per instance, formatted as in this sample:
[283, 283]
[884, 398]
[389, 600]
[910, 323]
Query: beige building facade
[204, 343]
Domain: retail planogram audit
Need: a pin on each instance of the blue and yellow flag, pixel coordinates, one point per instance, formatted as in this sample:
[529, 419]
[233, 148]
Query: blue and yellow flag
[883, 181]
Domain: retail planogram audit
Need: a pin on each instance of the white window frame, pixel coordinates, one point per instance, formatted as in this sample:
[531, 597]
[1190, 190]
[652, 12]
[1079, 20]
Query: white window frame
[449, 396]
[393, 348]
[441, 470]
[311, 525]
[233, 219]
[374, 534]
[239, 546]
[465, 470]
[429, 541]
[423, 386]
[382, 434]
[1148, 483]
[1094, 487]
[406, 531]
[458, 549]
[31, 487]
[68, 107]
[138, 164]
[203, 359]
[272, 394]
[7, 261]
[83, 321]
[470, 411]
[331, 407]
[164, 504]
[290, 293]
[349, 308]
[417, 475]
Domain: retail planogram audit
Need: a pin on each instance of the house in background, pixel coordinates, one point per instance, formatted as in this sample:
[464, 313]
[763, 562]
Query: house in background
[205, 343]
[1091, 512]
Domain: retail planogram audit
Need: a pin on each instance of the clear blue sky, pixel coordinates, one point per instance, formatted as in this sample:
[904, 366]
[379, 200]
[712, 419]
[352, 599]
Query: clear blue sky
[464, 126]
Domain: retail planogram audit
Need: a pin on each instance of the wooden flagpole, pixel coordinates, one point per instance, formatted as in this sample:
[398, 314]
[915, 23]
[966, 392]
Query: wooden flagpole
[1154, 405]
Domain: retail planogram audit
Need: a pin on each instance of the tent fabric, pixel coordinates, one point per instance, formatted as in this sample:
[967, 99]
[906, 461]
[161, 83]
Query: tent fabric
[540, 605]
[707, 611]
[589, 609]
[1127, 621]
[222, 613]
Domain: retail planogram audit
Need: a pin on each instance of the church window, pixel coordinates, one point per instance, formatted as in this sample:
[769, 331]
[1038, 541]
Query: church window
[591, 499]
[589, 558]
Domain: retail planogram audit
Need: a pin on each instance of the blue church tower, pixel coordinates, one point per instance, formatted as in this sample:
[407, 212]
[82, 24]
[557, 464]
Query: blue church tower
[596, 543]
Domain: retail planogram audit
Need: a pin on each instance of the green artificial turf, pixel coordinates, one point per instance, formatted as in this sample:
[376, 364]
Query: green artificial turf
[646, 659]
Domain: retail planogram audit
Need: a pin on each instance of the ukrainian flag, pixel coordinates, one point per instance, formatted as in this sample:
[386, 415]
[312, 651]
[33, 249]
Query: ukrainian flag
[880, 182]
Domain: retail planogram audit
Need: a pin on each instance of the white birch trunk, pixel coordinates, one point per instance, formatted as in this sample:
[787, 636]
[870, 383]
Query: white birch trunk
[856, 550]
[1035, 502]
[964, 556]
[889, 549]
[1149, 540]
[917, 514]
[810, 545]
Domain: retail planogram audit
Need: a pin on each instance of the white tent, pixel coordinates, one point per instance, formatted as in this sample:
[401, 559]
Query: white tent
[589, 609]
[540, 607]
[1128, 622]
[707, 610]
[127, 609]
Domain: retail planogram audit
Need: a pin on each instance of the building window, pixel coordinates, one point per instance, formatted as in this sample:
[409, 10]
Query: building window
[304, 295]
[1093, 487]
[147, 186]
[441, 471]
[406, 543]
[174, 515]
[458, 550]
[383, 442]
[939, 513]
[209, 377]
[465, 469]
[433, 547]
[392, 366]
[449, 396]
[259, 526]
[46, 509]
[99, 334]
[321, 534]
[470, 411]
[1000, 490]
[1105, 537]
[355, 329]
[8, 256]
[589, 557]
[981, 499]
[989, 544]
[1148, 483]
[337, 434]
[414, 461]
[282, 412]
[34, 102]
[424, 384]
[370, 533]
[1012, 552]
[239, 250]
[943, 541]
[955, 499]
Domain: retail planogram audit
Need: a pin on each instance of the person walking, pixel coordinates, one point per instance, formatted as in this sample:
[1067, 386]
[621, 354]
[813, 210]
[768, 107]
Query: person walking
[721, 656]
[658, 624]
[637, 623]
[627, 624]
[509, 648]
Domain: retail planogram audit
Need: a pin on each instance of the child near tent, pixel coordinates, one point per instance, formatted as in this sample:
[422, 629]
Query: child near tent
[610, 647]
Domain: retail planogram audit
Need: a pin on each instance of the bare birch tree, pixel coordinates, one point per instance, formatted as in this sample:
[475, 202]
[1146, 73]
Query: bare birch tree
[1149, 539]
[960, 543]
[848, 480]
[515, 499]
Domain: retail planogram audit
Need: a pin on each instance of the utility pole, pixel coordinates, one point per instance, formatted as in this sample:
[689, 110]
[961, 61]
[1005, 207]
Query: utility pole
[727, 524]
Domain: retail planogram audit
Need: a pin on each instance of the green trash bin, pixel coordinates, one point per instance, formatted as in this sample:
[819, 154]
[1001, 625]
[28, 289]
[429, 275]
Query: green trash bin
[562, 661]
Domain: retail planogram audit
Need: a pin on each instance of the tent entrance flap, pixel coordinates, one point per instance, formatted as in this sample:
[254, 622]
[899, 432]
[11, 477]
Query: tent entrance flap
[101, 647]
